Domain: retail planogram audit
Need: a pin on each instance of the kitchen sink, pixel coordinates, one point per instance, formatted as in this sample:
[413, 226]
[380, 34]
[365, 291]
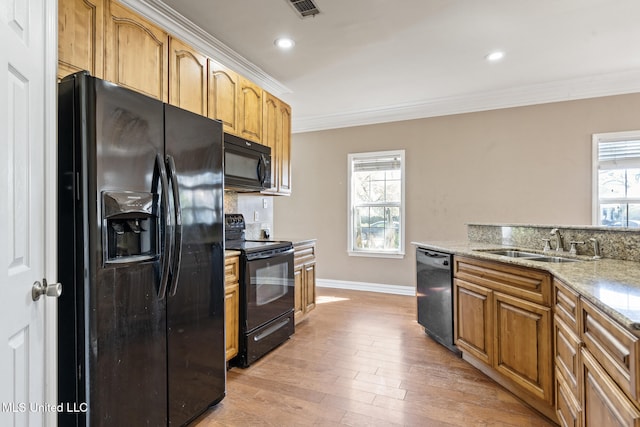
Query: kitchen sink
[513, 253]
[553, 259]
[530, 256]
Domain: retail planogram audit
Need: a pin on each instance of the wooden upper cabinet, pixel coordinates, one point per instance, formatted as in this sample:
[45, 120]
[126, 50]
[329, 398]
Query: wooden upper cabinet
[271, 134]
[136, 53]
[188, 71]
[284, 156]
[80, 37]
[276, 133]
[249, 110]
[222, 88]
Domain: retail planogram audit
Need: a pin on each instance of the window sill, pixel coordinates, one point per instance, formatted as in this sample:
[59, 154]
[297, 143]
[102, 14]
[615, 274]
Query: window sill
[394, 255]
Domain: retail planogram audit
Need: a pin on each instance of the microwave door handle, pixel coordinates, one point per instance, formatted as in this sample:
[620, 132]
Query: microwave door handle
[262, 169]
[177, 252]
[165, 224]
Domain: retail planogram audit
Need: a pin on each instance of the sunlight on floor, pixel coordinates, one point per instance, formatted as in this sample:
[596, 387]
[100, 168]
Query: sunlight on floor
[321, 299]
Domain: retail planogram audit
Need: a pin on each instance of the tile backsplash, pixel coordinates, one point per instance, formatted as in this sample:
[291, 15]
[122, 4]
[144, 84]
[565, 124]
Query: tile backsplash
[257, 210]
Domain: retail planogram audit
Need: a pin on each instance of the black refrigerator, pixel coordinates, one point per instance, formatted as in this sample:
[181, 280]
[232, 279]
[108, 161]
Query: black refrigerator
[141, 258]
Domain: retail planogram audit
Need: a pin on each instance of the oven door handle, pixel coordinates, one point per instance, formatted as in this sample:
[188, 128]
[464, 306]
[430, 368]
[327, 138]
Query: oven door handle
[269, 254]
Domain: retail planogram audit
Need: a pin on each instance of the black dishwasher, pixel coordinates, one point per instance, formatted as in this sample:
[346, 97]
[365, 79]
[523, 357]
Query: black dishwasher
[435, 299]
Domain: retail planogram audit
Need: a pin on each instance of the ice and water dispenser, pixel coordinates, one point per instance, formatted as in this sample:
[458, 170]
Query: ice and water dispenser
[130, 224]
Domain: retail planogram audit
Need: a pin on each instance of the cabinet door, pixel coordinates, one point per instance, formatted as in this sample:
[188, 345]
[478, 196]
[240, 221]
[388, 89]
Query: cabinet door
[250, 110]
[80, 37]
[298, 292]
[276, 133]
[188, 73]
[231, 305]
[222, 86]
[310, 287]
[284, 150]
[473, 323]
[523, 344]
[604, 404]
[271, 135]
[231, 319]
[136, 53]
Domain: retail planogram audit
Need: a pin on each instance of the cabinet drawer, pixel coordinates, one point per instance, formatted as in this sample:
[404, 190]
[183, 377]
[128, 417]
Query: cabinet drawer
[527, 283]
[567, 355]
[567, 407]
[231, 270]
[613, 347]
[304, 253]
[565, 305]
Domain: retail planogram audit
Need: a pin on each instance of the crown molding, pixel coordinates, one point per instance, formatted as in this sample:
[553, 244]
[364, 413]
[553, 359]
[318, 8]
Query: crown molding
[618, 83]
[175, 24]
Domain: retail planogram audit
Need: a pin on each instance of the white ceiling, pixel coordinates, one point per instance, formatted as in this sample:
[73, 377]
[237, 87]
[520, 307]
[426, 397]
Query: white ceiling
[369, 61]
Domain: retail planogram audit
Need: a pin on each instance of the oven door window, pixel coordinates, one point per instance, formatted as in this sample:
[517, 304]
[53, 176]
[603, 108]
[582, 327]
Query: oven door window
[271, 283]
[270, 290]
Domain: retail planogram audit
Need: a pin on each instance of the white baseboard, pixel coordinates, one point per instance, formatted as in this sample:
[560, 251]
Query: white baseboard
[364, 286]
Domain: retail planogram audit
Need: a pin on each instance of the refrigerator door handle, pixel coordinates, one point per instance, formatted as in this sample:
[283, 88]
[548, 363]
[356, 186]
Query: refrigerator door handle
[177, 239]
[165, 225]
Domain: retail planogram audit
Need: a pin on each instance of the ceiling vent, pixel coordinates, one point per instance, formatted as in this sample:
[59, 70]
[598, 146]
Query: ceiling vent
[304, 8]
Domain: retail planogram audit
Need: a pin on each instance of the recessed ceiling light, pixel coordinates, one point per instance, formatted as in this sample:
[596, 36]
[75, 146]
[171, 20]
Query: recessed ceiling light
[495, 56]
[284, 43]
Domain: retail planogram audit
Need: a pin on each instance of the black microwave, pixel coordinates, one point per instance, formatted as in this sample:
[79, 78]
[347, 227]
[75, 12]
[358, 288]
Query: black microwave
[247, 165]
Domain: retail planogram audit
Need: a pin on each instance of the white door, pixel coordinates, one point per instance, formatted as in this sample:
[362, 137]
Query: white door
[27, 142]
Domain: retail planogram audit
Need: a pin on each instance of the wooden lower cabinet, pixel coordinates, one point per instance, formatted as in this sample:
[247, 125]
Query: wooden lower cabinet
[604, 404]
[304, 272]
[596, 365]
[473, 331]
[503, 325]
[522, 343]
[568, 408]
[231, 305]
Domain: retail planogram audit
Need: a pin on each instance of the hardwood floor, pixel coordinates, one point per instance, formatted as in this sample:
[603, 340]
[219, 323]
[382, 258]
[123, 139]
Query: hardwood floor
[361, 359]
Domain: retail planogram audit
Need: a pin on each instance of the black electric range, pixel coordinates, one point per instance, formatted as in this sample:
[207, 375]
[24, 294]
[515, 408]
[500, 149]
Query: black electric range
[266, 291]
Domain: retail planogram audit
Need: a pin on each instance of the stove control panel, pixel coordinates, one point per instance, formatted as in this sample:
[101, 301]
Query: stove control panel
[234, 221]
[234, 226]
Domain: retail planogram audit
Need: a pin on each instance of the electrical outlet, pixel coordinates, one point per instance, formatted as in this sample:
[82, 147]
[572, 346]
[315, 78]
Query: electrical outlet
[256, 216]
[265, 203]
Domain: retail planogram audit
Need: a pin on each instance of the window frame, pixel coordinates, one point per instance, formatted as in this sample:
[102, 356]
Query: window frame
[603, 138]
[351, 250]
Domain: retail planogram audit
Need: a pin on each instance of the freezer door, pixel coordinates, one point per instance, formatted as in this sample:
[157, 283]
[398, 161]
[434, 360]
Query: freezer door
[112, 322]
[195, 301]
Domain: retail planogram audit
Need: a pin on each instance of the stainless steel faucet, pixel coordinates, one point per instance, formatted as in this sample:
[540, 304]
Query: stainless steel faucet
[596, 248]
[559, 242]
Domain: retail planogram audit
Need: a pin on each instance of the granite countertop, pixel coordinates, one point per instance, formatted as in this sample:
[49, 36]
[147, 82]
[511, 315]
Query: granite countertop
[610, 284]
[299, 240]
[230, 253]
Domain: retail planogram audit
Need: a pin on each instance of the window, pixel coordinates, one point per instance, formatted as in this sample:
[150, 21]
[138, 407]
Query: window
[376, 203]
[616, 179]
